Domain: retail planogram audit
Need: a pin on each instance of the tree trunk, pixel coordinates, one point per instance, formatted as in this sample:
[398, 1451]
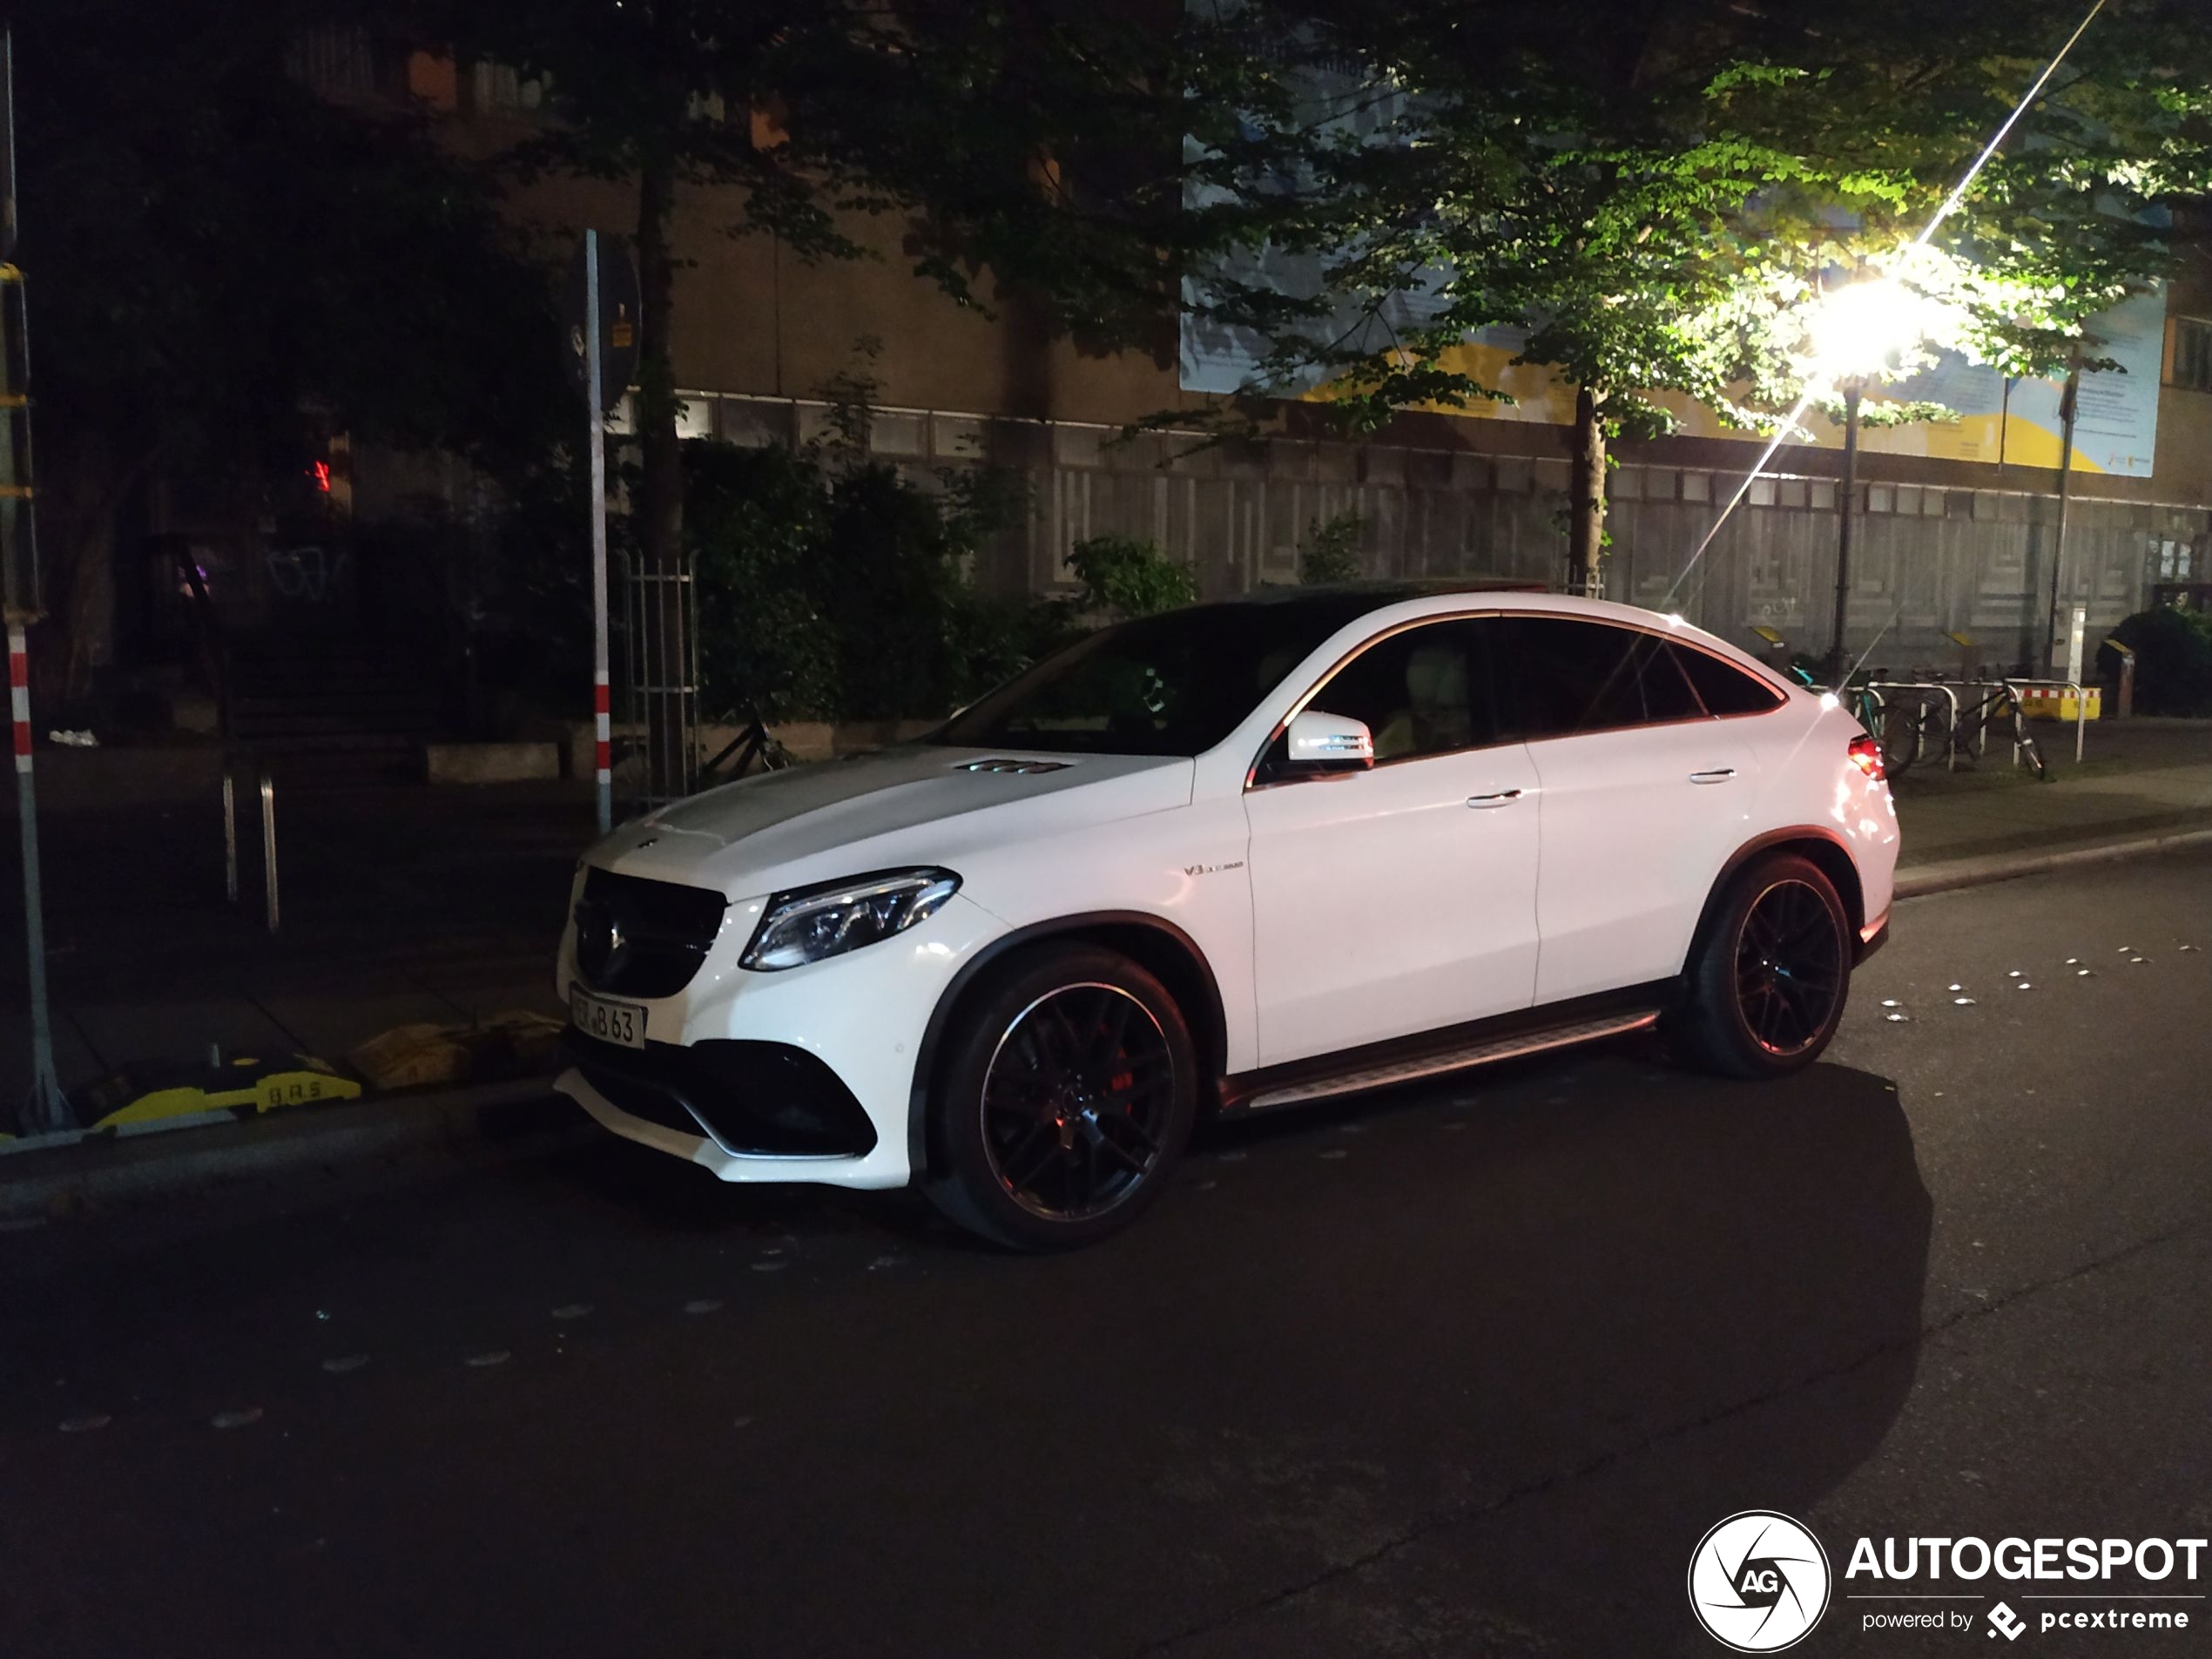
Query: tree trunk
[1586, 511]
[660, 656]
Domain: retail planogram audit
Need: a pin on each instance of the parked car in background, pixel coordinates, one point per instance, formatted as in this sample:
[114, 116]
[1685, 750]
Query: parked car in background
[1228, 859]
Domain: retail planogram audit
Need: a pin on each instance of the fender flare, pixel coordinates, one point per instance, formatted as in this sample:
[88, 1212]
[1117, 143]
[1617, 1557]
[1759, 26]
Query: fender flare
[1210, 1020]
[1854, 899]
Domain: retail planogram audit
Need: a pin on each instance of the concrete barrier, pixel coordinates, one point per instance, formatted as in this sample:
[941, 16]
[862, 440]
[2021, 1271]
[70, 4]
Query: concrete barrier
[490, 763]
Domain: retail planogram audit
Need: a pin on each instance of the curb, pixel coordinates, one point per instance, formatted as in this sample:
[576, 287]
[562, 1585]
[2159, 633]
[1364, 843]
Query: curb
[488, 1122]
[2005, 866]
[523, 1117]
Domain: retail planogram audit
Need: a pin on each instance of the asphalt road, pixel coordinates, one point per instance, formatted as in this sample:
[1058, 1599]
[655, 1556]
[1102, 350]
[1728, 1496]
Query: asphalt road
[1469, 1370]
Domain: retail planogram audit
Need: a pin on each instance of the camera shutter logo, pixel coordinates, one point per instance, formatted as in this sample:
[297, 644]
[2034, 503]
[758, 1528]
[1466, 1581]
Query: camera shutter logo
[1758, 1581]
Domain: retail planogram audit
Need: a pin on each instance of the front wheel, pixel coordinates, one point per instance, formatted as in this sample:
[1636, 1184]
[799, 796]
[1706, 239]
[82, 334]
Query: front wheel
[1064, 1101]
[1767, 981]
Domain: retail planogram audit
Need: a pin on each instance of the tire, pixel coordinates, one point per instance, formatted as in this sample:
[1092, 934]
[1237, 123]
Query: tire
[1900, 735]
[2031, 752]
[1935, 727]
[1063, 1102]
[1768, 978]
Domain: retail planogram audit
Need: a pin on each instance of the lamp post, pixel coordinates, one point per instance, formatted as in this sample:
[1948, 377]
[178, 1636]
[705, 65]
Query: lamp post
[1860, 332]
[1854, 389]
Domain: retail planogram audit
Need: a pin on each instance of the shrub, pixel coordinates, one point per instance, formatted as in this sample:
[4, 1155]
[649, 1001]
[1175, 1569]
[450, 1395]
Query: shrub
[837, 588]
[2173, 660]
[1125, 576]
[1330, 549]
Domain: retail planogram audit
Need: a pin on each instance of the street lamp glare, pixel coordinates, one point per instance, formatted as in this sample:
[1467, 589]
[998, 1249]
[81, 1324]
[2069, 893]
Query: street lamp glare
[1862, 328]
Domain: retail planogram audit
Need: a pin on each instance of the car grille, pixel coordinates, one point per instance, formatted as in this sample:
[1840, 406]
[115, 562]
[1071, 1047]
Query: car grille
[640, 938]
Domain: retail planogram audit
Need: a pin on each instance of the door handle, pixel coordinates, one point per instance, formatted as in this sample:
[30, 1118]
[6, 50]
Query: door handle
[1503, 798]
[1718, 775]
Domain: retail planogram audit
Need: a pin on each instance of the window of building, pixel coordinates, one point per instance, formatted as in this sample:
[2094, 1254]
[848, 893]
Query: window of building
[2189, 365]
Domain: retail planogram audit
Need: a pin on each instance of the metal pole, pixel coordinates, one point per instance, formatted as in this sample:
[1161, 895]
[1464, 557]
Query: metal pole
[268, 847]
[230, 835]
[603, 734]
[1837, 662]
[46, 1108]
[2067, 399]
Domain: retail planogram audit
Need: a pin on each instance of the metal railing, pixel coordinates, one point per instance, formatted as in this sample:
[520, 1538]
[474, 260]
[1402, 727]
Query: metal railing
[269, 894]
[1923, 687]
[2080, 706]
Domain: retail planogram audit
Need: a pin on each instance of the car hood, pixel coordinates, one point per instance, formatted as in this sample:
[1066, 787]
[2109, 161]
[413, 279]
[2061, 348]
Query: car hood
[918, 804]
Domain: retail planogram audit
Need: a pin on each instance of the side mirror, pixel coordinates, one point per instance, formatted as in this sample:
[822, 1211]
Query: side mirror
[1318, 739]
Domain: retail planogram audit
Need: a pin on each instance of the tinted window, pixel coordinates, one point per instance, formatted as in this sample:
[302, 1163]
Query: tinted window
[1570, 677]
[1722, 686]
[1172, 685]
[1422, 691]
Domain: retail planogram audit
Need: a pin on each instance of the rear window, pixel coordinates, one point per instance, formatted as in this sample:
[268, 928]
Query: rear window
[1573, 675]
[1724, 688]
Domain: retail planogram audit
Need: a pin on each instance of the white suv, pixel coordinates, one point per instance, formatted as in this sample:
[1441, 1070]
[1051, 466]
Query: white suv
[1227, 858]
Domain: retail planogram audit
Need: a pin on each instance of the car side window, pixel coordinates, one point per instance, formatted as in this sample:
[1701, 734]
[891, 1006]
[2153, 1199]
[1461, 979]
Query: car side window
[1421, 692]
[1570, 676]
[1722, 687]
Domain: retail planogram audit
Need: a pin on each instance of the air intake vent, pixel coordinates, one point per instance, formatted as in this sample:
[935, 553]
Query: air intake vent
[1024, 767]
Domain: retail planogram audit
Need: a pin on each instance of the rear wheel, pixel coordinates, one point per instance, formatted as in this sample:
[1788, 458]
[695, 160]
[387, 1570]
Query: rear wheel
[1064, 1101]
[1768, 981]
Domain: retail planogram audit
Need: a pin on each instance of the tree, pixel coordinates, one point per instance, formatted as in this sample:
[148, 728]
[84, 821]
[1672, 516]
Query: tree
[224, 267]
[1039, 142]
[1658, 212]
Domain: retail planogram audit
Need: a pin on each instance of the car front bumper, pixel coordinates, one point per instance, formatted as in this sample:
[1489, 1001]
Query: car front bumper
[831, 1047]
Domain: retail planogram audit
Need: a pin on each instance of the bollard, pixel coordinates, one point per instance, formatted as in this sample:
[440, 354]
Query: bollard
[268, 846]
[229, 837]
[2123, 701]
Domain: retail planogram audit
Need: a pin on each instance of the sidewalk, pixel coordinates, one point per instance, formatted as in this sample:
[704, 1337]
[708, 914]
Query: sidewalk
[399, 905]
[2138, 779]
[414, 904]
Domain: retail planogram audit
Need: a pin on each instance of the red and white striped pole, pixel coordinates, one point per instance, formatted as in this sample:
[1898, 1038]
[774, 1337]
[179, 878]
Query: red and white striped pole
[19, 696]
[46, 1110]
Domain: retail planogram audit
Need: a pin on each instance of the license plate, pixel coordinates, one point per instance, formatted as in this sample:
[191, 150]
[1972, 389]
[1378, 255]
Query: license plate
[606, 1019]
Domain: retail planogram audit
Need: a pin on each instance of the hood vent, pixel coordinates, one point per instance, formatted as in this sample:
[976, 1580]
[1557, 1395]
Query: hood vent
[1022, 767]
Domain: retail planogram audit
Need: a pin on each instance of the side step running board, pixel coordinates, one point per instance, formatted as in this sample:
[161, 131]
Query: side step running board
[1474, 1054]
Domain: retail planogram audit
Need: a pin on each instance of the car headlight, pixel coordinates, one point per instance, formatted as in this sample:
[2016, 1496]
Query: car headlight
[837, 916]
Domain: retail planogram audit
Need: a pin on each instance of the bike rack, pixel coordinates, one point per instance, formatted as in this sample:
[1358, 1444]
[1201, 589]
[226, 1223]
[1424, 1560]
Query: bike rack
[2081, 708]
[1949, 747]
[268, 842]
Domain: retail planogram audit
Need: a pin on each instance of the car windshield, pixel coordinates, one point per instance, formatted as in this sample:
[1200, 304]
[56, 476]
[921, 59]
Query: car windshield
[1175, 683]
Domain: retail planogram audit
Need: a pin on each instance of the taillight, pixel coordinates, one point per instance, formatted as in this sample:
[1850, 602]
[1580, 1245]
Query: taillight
[1866, 755]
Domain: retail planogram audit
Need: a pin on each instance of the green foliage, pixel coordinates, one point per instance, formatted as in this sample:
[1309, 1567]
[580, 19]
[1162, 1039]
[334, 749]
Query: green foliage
[837, 590]
[1330, 549]
[2173, 660]
[1653, 197]
[1124, 577]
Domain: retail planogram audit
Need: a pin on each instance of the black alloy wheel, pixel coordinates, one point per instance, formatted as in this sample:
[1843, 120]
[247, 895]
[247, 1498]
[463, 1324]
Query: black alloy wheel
[1066, 1094]
[1077, 1102]
[1790, 968]
[1765, 985]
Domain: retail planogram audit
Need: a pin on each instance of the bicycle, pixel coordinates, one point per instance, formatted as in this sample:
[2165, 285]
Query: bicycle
[1914, 723]
[1998, 706]
[1899, 727]
[754, 745]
